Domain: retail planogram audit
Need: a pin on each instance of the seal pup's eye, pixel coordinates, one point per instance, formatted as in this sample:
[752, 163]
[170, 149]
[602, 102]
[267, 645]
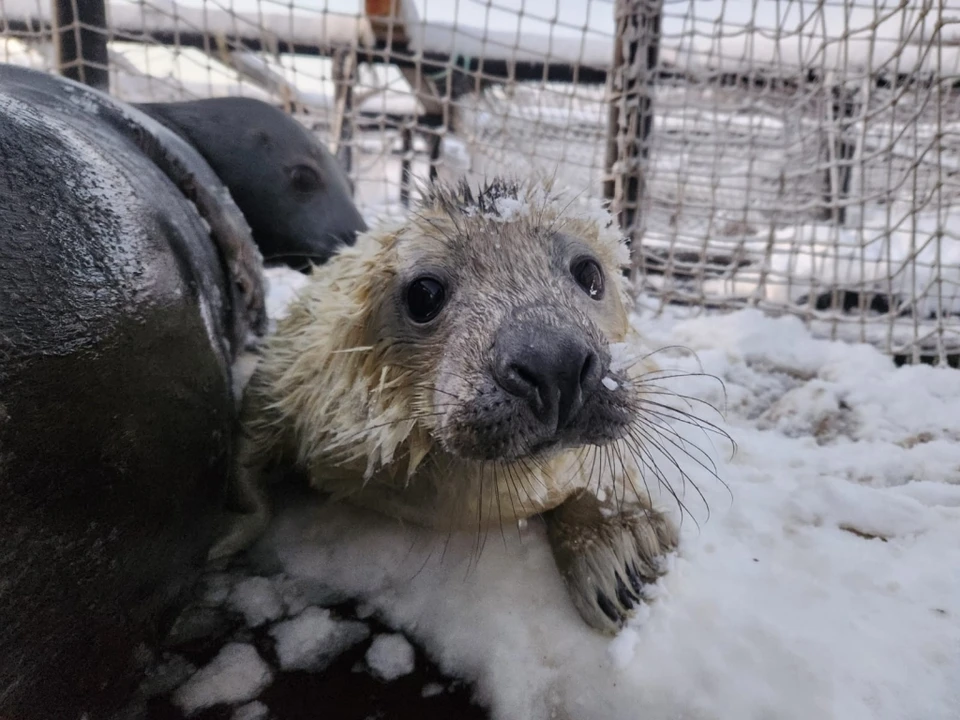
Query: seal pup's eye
[304, 179]
[589, 276]
[425, 298]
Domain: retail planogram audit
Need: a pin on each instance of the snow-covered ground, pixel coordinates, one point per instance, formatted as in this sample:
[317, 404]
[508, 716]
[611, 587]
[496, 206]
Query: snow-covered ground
[823, 583]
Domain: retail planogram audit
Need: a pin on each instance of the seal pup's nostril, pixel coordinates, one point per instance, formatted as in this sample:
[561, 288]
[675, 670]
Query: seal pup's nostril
[551, 370]
[589, 366]
[522, 380]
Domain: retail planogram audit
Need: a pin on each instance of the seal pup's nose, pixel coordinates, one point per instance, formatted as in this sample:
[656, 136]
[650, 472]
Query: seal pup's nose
[552, 369]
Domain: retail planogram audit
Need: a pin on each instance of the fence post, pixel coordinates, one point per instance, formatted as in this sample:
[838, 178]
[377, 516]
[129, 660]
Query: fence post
[80, 35]
[841, 108]
[630, 119]
[406, 149]
[344, 79]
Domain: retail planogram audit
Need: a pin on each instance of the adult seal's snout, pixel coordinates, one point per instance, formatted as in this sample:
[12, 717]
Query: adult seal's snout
[552, 369]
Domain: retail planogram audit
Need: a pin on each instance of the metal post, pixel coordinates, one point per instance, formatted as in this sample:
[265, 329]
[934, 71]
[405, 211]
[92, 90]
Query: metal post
[630, 124]
[842, 107]
[80, 34]
[406, 135]
[344, 79]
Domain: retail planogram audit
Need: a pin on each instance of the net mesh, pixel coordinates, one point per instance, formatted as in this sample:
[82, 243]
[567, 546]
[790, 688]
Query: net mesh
[797, 156]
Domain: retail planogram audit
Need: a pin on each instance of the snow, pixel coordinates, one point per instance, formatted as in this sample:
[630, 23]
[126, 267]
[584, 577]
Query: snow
[313, 639]
[890, 250]
[294, 597]
[217, 588]
[167, 676]
[431, 690]
[237, 674]
[282, 287]
[910, 256]
[817, 585]
[610, 384]
[257, 599]
[251, 711]
[390, 656]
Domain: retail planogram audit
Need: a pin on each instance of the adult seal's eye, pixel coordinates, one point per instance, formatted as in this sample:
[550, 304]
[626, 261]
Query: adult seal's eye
[425, 299]
[589, 276]
[304, 179]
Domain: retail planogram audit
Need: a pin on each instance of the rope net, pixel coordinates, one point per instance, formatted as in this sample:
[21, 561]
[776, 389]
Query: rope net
[798, 156]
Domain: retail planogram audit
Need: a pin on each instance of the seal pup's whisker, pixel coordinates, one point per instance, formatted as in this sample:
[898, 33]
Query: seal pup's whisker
[643, 437]
[658, 418]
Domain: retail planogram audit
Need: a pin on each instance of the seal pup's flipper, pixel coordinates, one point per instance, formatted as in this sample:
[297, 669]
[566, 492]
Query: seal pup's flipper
[606, 555]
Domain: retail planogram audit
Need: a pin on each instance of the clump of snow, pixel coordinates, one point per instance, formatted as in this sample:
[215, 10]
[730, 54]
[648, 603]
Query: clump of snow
[390, 656]
[257, 599]
[621, 355]
[216, 588]
[610, 384]
[509, 209]
[163, 678]
[237, 674]
[820, 585]
[282, 286]
[255, 710]
[431, 690]
[292, 593]
[314, 638]
[365, 611]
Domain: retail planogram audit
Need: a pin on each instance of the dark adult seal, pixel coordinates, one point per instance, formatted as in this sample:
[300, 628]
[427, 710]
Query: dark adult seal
[130, 282]
[293, 193]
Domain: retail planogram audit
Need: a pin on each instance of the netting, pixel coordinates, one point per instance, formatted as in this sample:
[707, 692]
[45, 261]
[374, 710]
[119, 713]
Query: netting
[797, 156]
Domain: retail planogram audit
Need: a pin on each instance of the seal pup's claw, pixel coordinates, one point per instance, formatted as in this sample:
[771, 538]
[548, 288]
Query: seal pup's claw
[607, 559]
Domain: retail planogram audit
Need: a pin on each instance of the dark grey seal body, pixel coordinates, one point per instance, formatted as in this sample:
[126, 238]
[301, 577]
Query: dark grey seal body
[293, 193]
[129, 284]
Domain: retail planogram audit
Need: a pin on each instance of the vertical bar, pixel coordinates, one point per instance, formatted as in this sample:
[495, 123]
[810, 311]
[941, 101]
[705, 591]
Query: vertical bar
[406, 134]
[344, 78]
[80, 34]
[630, 119]
[436, 149]
[842, 107]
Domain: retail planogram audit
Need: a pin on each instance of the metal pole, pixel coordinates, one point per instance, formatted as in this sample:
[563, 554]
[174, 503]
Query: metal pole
[630, 123]
[80, 34]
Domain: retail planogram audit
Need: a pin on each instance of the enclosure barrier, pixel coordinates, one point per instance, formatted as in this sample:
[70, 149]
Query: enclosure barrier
[796, 156]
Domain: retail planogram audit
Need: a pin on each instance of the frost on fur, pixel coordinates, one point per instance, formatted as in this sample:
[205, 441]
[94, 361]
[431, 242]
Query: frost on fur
[503, 200]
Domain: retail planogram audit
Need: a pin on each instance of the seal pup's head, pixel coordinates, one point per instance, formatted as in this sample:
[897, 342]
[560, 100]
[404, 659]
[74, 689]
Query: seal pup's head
[509, 305]
[476, 333]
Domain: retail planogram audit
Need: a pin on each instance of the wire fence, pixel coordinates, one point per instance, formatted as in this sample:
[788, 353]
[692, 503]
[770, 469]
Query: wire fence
[798, 156]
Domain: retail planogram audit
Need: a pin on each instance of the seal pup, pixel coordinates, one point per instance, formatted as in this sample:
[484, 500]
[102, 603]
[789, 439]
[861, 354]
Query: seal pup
[293, 192]
[464, 368]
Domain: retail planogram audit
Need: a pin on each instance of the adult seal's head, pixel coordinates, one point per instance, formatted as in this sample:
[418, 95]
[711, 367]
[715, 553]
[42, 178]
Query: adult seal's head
[466, 367]
[293, 193]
